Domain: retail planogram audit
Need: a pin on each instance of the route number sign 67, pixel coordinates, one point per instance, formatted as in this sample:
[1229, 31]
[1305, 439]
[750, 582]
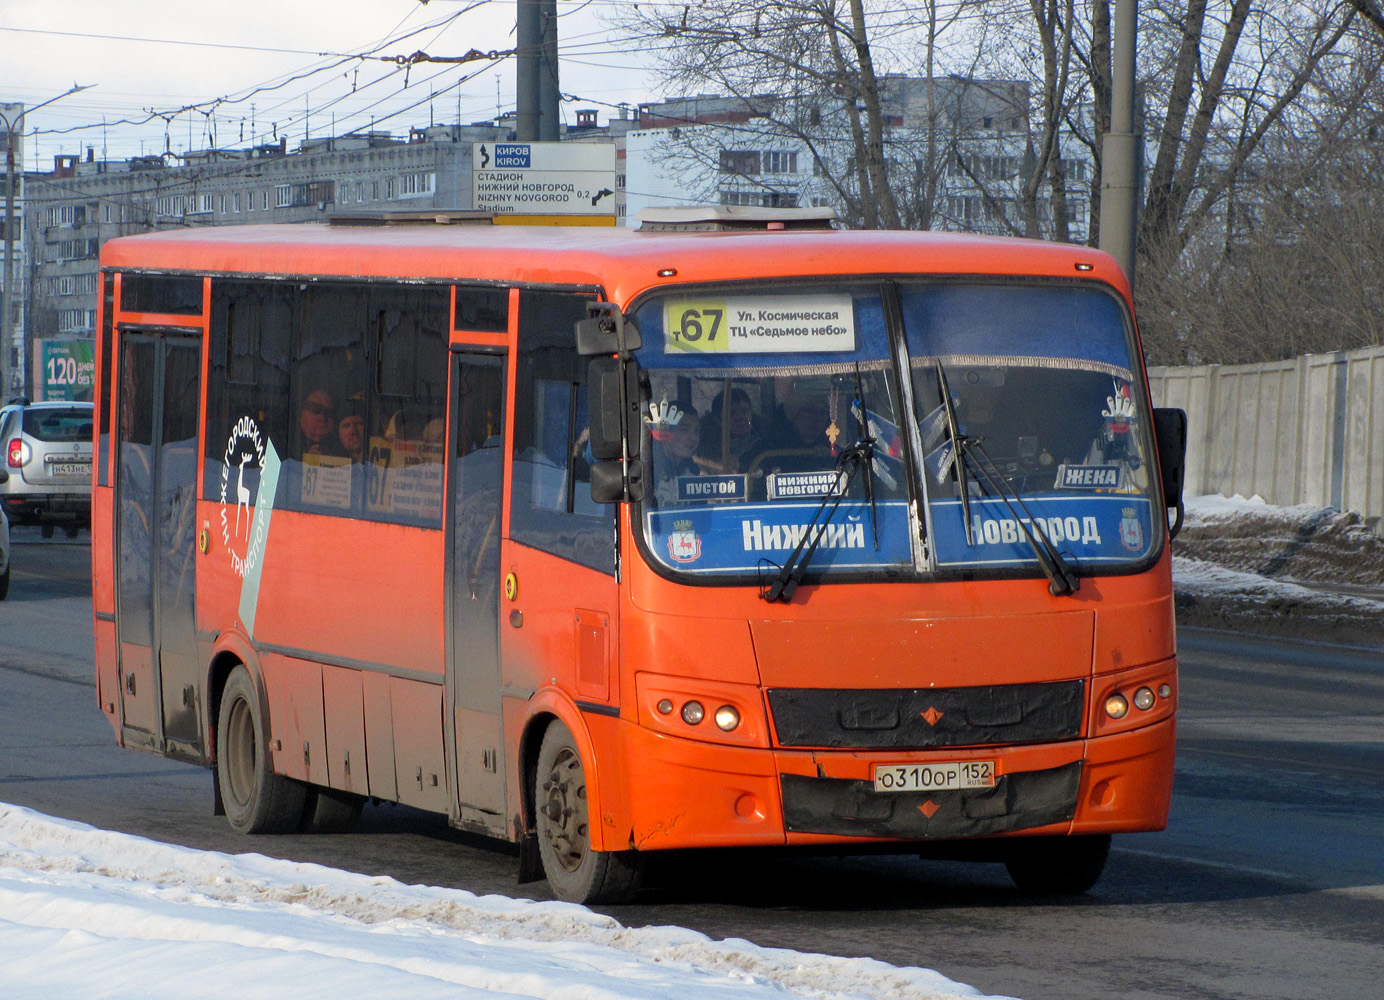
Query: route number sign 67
[696, 326]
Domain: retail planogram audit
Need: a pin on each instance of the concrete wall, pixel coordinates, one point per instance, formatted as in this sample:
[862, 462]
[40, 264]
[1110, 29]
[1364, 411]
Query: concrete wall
[1301, 431]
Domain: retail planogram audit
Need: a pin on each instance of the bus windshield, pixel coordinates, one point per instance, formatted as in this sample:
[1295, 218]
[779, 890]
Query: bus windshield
[775, 422]
[1050, 421]
[754, 398]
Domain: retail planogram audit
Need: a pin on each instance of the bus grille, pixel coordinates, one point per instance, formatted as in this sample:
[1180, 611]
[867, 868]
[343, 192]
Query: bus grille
[854, 719]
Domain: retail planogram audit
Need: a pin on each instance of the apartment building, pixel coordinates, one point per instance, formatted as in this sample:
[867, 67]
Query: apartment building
[83, 202]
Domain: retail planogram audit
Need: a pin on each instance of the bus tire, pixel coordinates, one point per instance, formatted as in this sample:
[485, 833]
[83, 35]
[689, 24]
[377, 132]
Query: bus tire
[1057, 866]
[326, 810]
[255, 798]
[576, 873]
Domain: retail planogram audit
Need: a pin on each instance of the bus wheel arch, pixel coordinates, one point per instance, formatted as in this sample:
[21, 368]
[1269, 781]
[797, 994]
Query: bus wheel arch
[255, 798]
[562, 813]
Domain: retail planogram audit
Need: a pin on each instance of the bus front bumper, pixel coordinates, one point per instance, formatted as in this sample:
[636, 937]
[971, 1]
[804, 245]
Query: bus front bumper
[684, 794]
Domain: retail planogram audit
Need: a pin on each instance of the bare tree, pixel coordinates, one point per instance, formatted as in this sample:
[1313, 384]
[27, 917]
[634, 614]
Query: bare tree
[1289, 263]
[805, 53]
[832, 85]
[1217, 76]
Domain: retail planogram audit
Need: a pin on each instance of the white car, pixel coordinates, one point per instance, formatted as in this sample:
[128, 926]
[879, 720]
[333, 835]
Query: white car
[4, 555]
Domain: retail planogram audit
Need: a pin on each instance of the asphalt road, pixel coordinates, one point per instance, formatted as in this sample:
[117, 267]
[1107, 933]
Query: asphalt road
[1268, 883]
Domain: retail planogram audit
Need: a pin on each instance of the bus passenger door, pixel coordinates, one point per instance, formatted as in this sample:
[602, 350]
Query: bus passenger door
[160, 392]
[473, 658]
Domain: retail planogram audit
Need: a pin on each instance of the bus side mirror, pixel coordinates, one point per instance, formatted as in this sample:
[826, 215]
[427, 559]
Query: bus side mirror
[613, 396]
[1170, 434]
[605, 331]
[607, 412]
[611, 482]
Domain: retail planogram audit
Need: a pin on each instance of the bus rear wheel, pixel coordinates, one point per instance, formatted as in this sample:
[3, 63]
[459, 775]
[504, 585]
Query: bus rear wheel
[1057, 866]
[576, 873]
[255, 798]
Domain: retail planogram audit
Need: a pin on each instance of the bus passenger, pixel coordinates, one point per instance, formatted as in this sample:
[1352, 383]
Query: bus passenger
[811, 420]
[673, 452]
[730, 447]
[351, 434]
[317, 421]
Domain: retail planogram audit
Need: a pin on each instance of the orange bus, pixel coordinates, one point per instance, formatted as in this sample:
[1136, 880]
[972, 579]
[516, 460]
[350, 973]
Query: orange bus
[733, 530]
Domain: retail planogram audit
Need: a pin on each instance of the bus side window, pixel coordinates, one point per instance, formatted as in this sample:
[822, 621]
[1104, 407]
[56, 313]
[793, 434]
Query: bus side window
[410, 327]
[252, 333]
[331, 368]
[552, 508]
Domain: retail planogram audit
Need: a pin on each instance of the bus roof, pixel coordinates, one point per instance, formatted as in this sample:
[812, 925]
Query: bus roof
[622, 261]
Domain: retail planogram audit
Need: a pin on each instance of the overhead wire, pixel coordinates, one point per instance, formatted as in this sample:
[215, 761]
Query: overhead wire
[576, 51]
[277, 83]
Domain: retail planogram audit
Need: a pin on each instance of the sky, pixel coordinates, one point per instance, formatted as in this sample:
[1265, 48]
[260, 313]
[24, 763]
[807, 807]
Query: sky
[144, 56]
[87, 914]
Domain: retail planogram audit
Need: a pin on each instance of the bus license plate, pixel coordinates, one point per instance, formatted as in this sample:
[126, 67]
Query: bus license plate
[943, 776]
[70, 469]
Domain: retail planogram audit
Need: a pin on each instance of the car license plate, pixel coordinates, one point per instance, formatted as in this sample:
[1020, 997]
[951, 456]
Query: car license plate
[938, 777]
[70, 469]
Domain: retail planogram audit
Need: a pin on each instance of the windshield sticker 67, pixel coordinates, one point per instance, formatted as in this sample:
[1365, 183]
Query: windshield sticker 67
[760, 324]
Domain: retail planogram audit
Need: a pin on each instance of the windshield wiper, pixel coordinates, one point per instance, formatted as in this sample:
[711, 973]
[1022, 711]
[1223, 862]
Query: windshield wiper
[957, 459]
[862, 423]
[848, 465]
[1062, 579]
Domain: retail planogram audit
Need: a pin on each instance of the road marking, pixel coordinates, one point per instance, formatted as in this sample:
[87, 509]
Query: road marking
[1222, 866]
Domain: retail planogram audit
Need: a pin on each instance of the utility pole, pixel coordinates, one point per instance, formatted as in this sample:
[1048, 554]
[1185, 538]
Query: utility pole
[1119, 201]
[536, 88]
[6, 320]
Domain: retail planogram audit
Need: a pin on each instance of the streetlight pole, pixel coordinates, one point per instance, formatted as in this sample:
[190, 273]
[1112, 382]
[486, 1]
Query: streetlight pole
[1119, 205]
[6, 320]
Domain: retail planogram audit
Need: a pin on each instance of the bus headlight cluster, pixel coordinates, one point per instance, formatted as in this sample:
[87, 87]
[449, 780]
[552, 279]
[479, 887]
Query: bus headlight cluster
[693, 712]
[1117, 705]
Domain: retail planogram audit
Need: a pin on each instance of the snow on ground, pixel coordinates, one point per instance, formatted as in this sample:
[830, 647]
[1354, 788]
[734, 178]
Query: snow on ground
[86, 914]
[1303, 544]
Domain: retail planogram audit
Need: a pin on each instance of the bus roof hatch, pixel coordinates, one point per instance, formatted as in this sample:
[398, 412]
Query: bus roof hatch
[715, 218]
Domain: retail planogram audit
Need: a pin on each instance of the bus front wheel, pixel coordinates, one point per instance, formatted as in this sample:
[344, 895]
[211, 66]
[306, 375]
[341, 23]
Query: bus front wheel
[255, 798]
[1057, 866]
[576, 872]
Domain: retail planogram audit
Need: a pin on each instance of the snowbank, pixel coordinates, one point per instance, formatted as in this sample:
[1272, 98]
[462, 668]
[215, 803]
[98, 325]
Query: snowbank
[86, 914]
[1309, 572]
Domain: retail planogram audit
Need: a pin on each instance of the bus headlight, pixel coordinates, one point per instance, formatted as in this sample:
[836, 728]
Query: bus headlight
[703, 710]
[1144, 699]
[1116, 706]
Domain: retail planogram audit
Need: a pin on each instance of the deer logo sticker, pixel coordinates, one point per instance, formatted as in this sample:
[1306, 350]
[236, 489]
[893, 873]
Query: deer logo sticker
[244, 451]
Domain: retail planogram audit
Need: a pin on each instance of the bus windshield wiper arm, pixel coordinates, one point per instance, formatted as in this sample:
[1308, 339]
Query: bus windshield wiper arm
[847, 467]
[867, 440]
[958, 442]
[1062, 579]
